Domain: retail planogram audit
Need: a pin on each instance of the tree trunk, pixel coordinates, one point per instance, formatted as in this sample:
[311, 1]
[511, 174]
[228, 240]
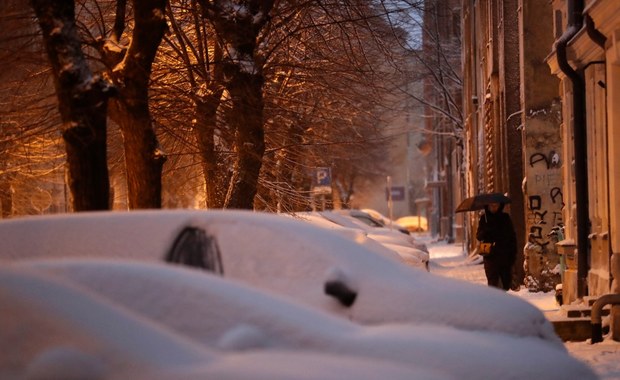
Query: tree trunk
[6, 196]
[246, 91]
[286, 170]
[143, 159]
[82, 102]
[243, 68]
[204, 129]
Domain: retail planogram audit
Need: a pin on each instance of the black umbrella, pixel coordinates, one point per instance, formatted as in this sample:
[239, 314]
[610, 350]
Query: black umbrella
[477, 202]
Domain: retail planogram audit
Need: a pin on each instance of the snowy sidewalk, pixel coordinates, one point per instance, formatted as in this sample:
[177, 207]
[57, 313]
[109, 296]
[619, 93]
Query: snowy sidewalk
[450, 260]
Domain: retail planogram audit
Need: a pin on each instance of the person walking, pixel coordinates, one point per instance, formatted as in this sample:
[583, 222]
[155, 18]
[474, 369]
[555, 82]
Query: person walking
[495, 227]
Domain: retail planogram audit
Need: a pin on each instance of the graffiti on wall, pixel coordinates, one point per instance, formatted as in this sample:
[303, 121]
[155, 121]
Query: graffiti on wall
[545, 199]
[552, 160]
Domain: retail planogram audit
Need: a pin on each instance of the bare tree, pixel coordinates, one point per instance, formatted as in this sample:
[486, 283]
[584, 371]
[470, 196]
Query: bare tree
[190, 67]
[251, 99]
[82, 102]
[428, 32]
[325, 97]
[144, 159]
[243, 70]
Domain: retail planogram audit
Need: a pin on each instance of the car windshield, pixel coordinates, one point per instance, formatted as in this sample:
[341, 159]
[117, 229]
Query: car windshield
[369, 221]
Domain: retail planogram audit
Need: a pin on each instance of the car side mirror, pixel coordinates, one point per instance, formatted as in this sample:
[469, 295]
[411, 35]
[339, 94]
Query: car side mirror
[339, 290]
[194, 248]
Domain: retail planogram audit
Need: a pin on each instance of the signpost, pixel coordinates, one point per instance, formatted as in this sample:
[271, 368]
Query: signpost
[321, 185]
[389, 200]
[322, 181]
[397, 193]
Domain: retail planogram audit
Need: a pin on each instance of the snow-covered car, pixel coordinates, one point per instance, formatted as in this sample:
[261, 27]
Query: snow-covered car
[378, 232]
[64, 326]
[282, 255]
[392, 246]
[413, 223]
[384, 220]
[150, 320]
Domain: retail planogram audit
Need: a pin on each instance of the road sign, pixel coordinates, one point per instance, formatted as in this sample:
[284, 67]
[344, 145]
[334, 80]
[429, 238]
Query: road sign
[322, 181]
[397, 193]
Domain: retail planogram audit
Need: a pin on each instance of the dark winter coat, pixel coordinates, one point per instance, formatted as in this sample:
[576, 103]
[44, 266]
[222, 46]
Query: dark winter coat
[497, 228]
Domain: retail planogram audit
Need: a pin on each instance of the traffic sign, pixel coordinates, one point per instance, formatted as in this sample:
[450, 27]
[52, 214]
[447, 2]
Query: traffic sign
[397, 193]
[322, 181]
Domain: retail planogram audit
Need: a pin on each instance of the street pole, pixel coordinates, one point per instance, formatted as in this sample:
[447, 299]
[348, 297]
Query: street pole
[389, 198]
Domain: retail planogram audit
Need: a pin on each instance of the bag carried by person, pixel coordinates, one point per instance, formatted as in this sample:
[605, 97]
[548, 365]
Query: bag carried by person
[485, 248]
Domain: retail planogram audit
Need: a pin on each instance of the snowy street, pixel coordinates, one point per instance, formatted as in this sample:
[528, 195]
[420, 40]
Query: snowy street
[265, 190]
[449, 260]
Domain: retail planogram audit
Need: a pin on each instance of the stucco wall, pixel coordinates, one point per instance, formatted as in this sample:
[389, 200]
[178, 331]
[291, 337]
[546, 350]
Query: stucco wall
[544, 197]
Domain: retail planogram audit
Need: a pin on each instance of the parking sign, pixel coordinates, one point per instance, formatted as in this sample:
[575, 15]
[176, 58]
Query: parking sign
[322, 181]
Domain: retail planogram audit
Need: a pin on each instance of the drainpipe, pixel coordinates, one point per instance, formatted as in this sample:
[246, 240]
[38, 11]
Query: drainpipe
[575, 22]
[597, 311]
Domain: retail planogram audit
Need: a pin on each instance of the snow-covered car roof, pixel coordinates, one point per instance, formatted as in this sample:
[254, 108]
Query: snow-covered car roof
[357, 235]
[142, 318]
[373, 216]
[386, 243]
[384, 234]
[285, 256]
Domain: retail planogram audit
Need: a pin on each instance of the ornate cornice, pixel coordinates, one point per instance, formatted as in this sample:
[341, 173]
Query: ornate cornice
[582, 50]
[605, 14]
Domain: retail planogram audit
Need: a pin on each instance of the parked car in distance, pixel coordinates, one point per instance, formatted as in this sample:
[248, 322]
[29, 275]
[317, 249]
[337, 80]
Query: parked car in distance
[356, 219]
[386, 221]
[386, 243]
[413, 223]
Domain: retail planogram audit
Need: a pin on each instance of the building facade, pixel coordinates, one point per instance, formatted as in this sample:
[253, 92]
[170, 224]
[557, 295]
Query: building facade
[540, 81]
[443, 115]
[494, 110]
[586, 59]
[543, 158]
